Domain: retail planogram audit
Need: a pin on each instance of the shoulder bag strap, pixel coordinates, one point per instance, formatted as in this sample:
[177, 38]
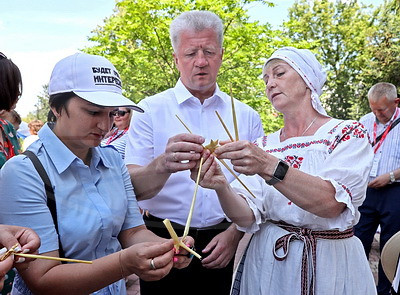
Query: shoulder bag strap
[51, 200]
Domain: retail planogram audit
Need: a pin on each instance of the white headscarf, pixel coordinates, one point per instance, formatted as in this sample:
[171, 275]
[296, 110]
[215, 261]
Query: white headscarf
[303, 61]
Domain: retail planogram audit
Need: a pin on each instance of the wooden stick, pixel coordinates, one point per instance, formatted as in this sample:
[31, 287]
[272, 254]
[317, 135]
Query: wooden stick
[234, 117]
[223, 124]
[187, 128]
[189, 219]
[51, 258]
[9, 252]
[172, 233]
[223, 163]
[234, 174]
[178, 243]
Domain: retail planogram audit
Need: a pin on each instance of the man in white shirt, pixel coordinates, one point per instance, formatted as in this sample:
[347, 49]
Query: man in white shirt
[160, 153]
[382, 203]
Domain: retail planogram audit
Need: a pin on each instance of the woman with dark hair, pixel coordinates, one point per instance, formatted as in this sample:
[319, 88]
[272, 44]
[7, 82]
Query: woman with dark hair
[98, 218]
[27, 239]
[10, 91]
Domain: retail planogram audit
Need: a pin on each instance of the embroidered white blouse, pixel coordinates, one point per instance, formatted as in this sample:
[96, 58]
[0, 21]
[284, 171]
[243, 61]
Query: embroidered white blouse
[338, 152]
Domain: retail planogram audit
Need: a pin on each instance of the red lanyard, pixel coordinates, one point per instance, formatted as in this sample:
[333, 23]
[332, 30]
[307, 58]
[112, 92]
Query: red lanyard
[384, 134]
[114, 136]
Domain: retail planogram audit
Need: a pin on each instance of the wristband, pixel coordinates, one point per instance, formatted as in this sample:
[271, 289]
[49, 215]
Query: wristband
[392, 178]
[279, 173]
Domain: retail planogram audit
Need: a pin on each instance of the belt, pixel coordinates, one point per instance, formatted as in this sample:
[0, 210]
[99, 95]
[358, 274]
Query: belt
[153, 221]
[309, 238]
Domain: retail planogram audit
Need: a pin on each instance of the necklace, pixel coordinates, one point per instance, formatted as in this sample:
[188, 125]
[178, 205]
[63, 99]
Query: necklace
[305, 130]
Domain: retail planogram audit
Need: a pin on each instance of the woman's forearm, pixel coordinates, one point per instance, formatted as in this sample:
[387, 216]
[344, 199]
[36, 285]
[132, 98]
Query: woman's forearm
[44, 277]
[235, 206]
[311, 193]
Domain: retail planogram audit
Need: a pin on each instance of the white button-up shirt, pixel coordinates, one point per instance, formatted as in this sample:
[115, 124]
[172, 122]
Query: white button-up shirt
[148, 136]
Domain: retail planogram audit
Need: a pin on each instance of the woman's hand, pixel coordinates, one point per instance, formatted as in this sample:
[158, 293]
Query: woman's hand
[211, 175]
[27, 240]
[183, 258]
[247, 158]
[151, 261]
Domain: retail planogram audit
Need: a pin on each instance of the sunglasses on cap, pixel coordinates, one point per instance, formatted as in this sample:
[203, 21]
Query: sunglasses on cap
[121, 113]
[2, 55]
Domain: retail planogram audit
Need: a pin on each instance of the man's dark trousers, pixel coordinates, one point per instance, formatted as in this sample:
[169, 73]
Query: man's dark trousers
[381, 207]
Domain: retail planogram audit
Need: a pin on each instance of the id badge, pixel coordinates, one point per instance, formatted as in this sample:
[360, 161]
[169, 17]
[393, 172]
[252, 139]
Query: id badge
[374, 169]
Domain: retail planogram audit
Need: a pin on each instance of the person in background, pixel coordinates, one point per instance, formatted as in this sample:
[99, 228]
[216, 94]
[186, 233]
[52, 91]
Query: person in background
[160, 152]
[117, 138]
[381, 206]
[11, 116]
[307, 190]
[23, 131]
[34, 127]
[118, 135]
[10, 91]
[98, 218]
[27, 240]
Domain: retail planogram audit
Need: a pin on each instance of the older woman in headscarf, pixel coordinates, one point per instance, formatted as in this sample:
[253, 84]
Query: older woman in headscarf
[309, 179]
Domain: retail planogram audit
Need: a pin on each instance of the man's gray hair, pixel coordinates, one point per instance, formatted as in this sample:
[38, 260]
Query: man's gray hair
[382, 89]
[195, 20]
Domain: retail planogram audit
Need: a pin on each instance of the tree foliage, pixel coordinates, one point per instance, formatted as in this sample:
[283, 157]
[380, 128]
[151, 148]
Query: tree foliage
[42, 107]
[384, 46]
[358, 45]
[337, 32]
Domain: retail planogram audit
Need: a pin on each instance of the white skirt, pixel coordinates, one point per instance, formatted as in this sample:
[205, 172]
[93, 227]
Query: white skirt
[341, 266]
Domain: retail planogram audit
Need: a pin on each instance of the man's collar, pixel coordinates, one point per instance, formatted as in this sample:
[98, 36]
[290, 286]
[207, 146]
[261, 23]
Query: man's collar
[182, 93]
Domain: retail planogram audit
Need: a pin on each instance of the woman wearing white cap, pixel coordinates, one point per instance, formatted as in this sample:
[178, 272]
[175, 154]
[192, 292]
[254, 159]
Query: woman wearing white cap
[95, 213]
[309, 178]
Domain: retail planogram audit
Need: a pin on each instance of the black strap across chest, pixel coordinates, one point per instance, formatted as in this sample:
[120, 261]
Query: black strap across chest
[51, 200]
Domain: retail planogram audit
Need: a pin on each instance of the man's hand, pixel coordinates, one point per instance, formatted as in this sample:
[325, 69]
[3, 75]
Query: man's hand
[181, 153]
[380, 181]
[223, 248]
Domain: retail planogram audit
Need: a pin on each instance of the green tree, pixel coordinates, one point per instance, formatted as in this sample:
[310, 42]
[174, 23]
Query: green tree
[136, 39]
[337, 31]
[383, 49]
[42, 107]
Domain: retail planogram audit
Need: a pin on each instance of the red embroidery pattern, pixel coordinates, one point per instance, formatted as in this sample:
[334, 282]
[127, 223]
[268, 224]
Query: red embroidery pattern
[347, 190]
[299, 145]
[294, 161]
[355, 129]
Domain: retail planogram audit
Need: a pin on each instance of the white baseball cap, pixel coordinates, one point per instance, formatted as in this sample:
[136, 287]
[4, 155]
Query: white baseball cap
[91, 77]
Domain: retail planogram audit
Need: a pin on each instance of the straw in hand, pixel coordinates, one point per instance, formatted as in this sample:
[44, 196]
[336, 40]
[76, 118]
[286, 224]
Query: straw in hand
[189, 219]
[12, 251]
[177, 242]
[212, 146]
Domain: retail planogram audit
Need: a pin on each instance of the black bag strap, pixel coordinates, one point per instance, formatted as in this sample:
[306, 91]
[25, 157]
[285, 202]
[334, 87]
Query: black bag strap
[395, 122]
[51, 200]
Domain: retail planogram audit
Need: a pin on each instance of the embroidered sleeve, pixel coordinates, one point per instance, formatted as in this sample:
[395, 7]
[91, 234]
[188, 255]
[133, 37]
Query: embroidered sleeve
[347, 165]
